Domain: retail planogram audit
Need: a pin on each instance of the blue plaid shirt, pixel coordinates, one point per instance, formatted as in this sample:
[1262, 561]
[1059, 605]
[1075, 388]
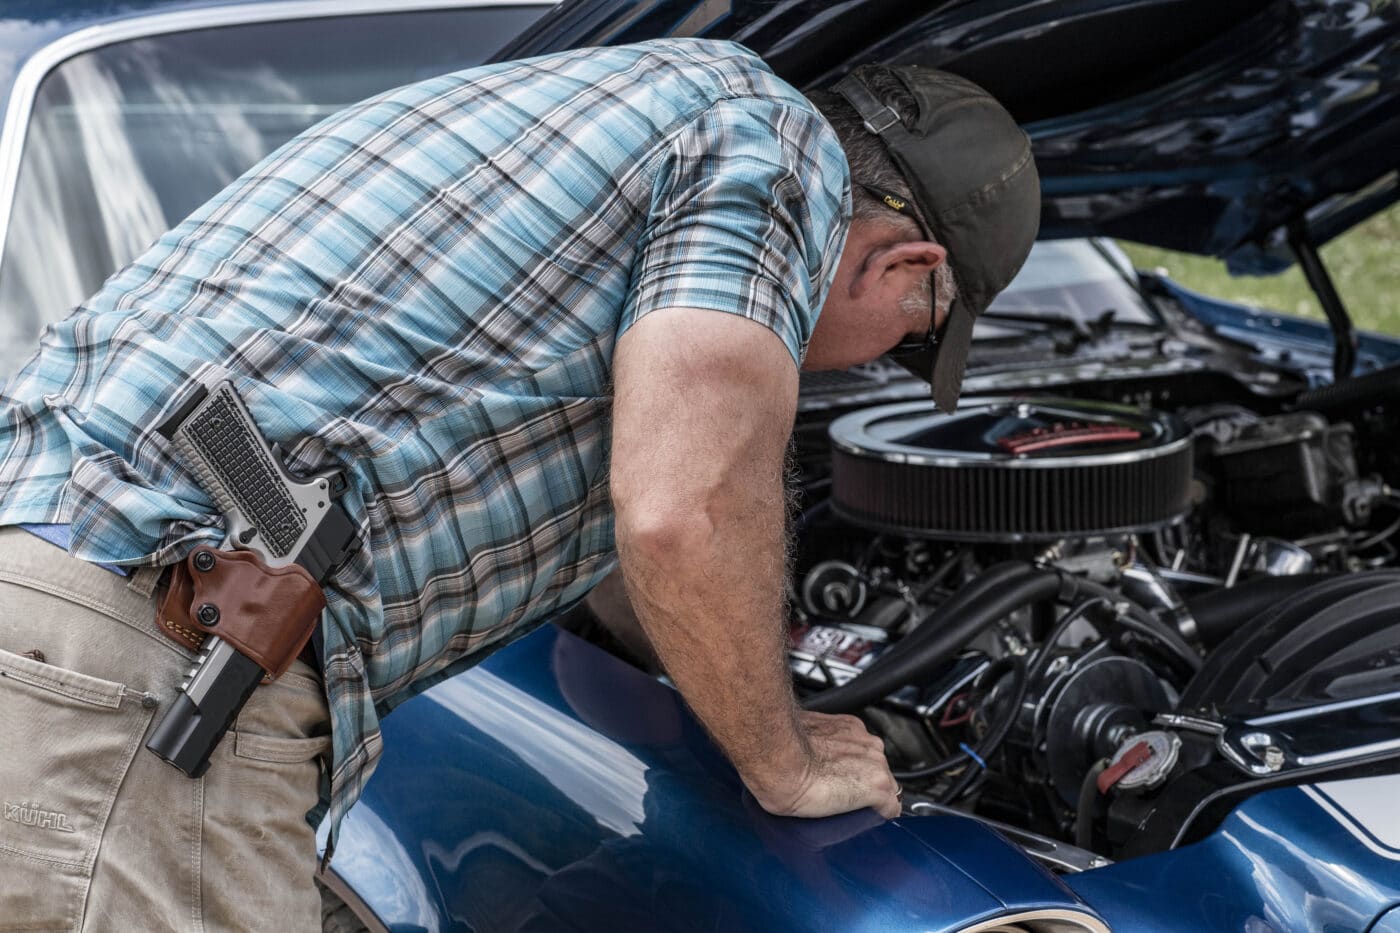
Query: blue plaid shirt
[424, 290]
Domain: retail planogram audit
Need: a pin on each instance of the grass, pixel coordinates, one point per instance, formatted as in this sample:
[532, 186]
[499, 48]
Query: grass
[1364, 263]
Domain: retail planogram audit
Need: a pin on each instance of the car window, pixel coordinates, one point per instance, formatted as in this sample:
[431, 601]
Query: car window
[128, 139]
[1079, 279]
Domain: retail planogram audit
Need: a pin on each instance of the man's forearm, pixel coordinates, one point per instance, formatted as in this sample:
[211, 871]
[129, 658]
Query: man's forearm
[710, 598]
[702, 411]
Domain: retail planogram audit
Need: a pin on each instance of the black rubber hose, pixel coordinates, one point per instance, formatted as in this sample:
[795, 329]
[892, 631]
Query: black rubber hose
[990, 742]
[938, 640]
[1026, 679]
[1220, 612]
[1046, 652]
[1356, 392]
[1134, 618]
[990, 579]
[994, 576]
[1088, 808]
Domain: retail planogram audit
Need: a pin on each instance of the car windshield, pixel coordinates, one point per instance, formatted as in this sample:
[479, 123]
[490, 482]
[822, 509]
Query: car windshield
[128, 139]
[1078, 280]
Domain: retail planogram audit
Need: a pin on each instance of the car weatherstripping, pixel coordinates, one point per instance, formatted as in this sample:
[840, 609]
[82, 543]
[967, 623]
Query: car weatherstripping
[1125, 621]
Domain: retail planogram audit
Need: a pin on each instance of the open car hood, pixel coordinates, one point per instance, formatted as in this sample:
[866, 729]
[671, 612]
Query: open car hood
[1208, 126]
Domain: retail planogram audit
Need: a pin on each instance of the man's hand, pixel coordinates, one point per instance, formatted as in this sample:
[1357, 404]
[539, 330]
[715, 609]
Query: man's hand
[703, 408]
[845, 770]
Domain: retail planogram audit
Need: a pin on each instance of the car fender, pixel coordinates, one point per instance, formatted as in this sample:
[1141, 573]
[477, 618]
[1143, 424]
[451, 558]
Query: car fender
[555, 787]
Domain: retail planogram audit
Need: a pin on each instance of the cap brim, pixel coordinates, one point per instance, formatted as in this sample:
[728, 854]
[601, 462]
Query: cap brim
[950, 356]
[943, 366]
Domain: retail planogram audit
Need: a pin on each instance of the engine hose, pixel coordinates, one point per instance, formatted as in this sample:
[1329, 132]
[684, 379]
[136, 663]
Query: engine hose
[1088, 805]
[1220, 612]
[1002, 590]
[989, 579]
[934, 643]
[1046, 651]
[1026, 678]
[994, 576]
[990, 742]
[1137, 619]
[1356, 392]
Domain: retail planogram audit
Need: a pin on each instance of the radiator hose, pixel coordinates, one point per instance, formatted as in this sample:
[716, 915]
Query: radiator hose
[994, 595]
[1220, 612]
[1001, 590]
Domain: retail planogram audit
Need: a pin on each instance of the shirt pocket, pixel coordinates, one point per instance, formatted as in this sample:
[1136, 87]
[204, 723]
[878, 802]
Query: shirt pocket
[67, 740]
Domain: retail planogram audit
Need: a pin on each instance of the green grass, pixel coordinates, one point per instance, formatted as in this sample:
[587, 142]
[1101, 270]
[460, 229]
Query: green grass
[1364, 263]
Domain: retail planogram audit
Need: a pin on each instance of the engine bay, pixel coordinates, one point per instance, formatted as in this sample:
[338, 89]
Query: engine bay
[1100, 626]
[1099, 619]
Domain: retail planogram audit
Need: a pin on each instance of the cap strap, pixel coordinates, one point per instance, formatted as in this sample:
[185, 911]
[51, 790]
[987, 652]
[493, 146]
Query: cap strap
[879, 118]
[884, 122]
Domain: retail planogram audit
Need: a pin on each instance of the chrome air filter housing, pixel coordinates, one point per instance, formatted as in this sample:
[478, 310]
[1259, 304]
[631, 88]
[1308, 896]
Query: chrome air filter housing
[1010, 469]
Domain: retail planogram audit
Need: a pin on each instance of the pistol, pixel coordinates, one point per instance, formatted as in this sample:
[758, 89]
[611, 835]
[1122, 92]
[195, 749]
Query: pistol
[284, 519]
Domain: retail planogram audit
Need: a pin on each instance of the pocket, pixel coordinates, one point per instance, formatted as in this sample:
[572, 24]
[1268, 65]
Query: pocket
[263, 779]
[276, 749]
[278, 744]
[281, 736]
[67, 740]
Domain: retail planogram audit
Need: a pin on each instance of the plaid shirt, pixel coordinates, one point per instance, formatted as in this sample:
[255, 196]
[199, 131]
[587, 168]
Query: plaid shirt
[424, 290]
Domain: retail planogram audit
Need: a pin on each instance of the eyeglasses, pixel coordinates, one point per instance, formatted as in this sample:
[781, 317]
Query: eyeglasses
[923, 343]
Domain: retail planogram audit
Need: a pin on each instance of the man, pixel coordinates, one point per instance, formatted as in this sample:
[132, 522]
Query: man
[529, 310]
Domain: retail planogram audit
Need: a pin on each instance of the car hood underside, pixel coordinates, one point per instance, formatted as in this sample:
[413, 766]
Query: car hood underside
[1210, 126]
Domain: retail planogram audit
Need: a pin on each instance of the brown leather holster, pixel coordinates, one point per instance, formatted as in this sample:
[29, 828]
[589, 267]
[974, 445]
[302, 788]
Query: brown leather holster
[267, 613]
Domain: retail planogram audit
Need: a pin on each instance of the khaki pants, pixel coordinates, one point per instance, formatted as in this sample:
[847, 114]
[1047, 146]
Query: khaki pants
[99, 834]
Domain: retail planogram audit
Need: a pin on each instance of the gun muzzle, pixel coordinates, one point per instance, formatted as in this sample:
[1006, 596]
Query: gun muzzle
[215, 690]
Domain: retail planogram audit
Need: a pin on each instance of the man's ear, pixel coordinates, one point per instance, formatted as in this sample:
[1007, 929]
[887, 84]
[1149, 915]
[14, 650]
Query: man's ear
[898, 266]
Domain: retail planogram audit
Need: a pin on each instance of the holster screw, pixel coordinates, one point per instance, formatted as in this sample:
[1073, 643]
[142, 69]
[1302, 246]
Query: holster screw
[208, 614]
[204, 561]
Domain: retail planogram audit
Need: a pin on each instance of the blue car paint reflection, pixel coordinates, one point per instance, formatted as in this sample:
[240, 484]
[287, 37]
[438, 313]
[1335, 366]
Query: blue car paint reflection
[556, 788]
[1282, 861]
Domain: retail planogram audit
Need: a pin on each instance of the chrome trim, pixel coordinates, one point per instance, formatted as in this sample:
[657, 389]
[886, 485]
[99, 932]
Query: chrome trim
[1189, 723]
[1257, 768]
[1247, 746]
[1055, 920]
[1357, 751]
[1051, 853]
[873, 448]
[1176, 575]
[36, 68]
[1307, 712]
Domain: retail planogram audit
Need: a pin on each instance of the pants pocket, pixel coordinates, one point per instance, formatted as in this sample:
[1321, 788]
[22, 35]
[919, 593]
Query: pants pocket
[261, 782]
[67, 741]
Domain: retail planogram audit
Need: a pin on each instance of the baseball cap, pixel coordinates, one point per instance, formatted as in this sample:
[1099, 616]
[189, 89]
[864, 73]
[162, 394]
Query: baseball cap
[970, 169]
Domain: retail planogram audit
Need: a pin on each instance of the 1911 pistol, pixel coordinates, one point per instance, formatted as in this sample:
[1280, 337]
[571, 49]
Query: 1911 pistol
[283, 519]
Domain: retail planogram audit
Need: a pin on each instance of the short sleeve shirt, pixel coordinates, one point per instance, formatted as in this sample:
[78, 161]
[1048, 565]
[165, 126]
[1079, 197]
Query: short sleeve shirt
[424, 291]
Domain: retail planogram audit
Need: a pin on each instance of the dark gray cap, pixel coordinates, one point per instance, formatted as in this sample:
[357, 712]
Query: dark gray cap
[970, 169]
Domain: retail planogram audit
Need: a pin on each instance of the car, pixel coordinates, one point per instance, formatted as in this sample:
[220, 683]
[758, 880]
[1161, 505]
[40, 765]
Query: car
[1125, 620]
[118, 123]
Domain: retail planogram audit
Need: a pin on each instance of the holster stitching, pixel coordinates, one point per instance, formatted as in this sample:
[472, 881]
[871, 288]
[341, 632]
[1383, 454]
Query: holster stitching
[191, 634]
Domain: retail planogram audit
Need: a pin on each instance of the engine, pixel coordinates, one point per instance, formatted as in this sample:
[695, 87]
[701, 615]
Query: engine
[1099, 625]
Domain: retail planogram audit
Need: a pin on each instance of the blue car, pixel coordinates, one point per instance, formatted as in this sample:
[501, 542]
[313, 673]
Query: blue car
[1127, 621]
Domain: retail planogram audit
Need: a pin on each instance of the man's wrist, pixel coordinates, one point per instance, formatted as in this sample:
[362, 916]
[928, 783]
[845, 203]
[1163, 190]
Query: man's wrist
[779, 773]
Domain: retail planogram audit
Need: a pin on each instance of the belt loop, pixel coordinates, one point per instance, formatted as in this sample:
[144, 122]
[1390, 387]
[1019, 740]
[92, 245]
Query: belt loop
[143, 581]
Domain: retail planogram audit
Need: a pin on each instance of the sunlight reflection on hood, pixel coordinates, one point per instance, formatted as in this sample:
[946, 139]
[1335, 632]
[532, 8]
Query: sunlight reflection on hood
[589, 768]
